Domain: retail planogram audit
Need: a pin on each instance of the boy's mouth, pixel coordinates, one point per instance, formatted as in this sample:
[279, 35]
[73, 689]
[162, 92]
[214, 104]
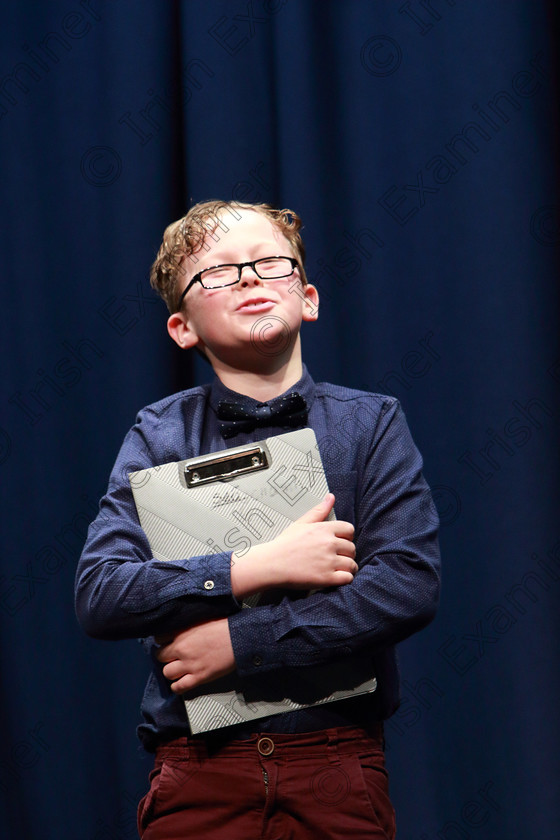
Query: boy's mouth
[255, 305]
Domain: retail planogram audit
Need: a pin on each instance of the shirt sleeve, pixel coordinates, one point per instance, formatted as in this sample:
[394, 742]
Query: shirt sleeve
[121, 590]
[394, 593]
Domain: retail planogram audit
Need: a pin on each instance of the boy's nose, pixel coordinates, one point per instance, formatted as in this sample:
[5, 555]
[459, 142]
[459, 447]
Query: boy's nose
[251, 277]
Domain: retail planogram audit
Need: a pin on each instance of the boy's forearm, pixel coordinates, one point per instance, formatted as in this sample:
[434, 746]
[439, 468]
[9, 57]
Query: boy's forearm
[251, 572]
[132, 600]
[122, 592]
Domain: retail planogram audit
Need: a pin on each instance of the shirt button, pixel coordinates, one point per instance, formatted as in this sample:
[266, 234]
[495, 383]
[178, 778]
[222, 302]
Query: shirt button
[209, 584]
[257, 660]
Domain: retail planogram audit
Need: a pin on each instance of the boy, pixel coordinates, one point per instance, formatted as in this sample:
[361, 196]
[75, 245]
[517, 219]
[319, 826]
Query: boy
[233, 279]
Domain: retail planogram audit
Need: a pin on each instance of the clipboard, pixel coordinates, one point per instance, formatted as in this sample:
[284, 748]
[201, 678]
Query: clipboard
[230, 500]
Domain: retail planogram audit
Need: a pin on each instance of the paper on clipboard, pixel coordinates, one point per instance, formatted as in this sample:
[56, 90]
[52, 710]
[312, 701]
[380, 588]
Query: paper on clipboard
[230, 500]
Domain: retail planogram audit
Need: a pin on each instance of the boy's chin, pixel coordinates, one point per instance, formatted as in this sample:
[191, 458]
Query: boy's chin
[271, 337]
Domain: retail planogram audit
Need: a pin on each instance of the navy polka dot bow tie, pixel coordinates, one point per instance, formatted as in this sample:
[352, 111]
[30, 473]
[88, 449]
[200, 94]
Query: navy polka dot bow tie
[288, 412]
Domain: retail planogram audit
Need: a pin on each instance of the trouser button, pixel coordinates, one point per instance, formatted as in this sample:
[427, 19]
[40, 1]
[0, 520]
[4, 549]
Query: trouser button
[265, 746]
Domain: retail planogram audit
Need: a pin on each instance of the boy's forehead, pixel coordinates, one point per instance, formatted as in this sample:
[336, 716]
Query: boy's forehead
[247, 229]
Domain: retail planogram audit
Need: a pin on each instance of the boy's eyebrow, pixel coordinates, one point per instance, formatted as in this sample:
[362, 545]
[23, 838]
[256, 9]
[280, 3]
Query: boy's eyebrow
[228, 255]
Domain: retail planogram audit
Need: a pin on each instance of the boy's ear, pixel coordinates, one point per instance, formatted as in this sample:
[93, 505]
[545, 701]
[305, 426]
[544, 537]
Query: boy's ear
[181, 332]
[310, 301]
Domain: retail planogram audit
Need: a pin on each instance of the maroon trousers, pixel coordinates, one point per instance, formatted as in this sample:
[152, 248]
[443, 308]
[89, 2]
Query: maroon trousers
[309, 786]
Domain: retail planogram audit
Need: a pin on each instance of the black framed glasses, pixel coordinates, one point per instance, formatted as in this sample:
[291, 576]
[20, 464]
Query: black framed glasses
[219, 276]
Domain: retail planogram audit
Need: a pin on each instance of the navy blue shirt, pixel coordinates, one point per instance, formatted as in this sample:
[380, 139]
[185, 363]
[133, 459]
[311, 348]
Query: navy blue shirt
[375, 471]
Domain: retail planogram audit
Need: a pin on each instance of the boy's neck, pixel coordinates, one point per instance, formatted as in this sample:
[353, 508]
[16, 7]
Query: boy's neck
[262, 383]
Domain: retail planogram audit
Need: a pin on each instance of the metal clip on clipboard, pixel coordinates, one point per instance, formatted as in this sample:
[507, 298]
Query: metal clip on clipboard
[225, 465]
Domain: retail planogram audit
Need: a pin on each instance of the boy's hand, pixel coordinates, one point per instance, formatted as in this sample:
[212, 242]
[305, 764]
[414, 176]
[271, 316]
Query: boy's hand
[311, 553]
[198, 655]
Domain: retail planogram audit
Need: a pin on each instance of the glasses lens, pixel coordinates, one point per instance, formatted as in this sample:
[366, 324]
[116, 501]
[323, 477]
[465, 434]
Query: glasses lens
[269, 268]
[222, 275]
[274, 267]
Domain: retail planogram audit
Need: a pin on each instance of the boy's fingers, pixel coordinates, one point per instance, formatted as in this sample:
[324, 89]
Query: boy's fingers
[320, 511]
[344, 529]
[342, 578]
[347, 564]
[346, 548]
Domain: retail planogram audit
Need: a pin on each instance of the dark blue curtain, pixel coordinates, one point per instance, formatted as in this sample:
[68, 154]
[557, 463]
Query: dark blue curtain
[418, 142]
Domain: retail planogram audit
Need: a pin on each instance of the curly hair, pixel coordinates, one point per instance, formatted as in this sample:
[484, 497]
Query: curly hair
[185, 237]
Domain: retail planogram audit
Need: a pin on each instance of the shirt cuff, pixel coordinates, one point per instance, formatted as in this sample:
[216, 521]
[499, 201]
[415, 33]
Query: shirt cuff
[205, 576]
[254, 648]
[210, 575]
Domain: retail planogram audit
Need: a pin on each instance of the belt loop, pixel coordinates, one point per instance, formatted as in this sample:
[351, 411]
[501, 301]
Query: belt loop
[332, 746]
